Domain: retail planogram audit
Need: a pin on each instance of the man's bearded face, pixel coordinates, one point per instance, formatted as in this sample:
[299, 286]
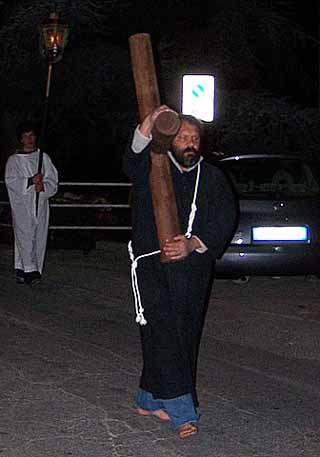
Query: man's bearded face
[186, 145]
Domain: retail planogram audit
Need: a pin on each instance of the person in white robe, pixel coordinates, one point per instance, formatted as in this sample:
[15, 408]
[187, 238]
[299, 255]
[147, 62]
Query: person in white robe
[23, 182]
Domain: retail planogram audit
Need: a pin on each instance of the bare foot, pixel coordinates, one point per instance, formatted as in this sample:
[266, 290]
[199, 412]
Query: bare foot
[187, 430]
[159, 413]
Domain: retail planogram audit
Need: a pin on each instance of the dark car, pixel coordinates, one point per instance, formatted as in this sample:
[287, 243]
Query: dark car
[279, 217]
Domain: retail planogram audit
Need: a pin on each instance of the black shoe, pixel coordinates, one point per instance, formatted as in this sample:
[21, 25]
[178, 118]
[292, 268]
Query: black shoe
[20, 276]
[33, 277]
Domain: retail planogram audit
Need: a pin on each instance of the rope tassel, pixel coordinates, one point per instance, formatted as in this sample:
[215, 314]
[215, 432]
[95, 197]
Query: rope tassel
[140, 319]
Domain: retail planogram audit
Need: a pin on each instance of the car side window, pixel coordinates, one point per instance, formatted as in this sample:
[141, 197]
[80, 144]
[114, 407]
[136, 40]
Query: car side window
[272, 176]
[283, 180]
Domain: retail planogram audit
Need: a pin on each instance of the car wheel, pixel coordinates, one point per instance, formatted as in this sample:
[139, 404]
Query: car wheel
[241, 280]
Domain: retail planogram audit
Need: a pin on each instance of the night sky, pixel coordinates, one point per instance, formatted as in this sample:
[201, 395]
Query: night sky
[261, 56]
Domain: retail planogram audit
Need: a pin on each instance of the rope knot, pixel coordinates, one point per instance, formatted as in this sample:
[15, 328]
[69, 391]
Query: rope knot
[140, 319]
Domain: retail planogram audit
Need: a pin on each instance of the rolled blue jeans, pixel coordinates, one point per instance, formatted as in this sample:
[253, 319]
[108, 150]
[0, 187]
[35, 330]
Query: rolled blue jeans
[180, 409]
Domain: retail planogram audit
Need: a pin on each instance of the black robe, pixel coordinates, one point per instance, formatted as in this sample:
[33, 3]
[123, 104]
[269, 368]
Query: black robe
[174, 294]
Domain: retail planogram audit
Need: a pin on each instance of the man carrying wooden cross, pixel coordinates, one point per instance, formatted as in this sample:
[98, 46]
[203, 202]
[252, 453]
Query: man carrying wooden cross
[171, 296]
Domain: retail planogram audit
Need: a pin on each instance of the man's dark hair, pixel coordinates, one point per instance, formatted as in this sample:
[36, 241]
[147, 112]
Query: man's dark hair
[192, 121]
[27, 126]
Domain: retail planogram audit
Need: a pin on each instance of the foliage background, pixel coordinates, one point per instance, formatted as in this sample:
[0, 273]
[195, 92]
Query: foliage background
[264, 55]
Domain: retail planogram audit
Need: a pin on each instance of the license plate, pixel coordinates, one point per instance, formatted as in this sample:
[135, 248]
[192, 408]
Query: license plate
[281, 234]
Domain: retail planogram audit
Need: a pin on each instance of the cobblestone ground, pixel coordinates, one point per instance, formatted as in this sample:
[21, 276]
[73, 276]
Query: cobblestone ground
[70, 362]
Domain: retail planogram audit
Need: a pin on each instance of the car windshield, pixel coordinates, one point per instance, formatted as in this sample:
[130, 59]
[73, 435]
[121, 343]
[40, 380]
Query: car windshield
[273, 176]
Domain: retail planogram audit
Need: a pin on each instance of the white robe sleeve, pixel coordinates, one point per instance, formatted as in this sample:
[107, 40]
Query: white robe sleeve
[139, 141]
[17, 177]
[50, 177]
[16, 181]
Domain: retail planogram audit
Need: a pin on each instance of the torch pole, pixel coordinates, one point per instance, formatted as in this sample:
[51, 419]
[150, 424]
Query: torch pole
[44, 128]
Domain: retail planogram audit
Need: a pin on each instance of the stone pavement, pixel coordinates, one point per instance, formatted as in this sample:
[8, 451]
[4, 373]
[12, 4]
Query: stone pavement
[70, 362]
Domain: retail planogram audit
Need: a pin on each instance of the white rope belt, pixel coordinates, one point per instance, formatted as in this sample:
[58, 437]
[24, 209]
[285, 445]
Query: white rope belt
[140, 319]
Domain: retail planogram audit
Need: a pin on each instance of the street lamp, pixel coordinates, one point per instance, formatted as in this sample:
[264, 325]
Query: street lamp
[54, 34]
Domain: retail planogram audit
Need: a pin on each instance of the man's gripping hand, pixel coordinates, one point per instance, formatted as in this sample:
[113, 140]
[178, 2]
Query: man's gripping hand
[147, 124]
[180, 247]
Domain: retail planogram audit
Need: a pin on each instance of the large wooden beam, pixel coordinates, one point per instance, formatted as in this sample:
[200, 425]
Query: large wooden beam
[166, 126]
[144, 73]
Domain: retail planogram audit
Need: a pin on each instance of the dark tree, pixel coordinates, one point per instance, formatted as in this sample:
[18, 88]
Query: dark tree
[250, 46]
